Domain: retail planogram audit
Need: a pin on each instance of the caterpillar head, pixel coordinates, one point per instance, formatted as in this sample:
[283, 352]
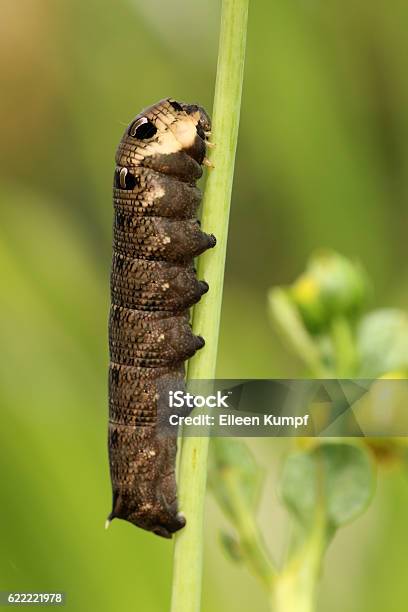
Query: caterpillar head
[166, 128]
[199, 116]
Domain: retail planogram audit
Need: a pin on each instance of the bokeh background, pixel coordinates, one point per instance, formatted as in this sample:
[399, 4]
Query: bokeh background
[322, 161]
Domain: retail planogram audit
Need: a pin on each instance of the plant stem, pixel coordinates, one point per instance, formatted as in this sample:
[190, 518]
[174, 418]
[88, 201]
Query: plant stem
[250, 539]
[295, 587]
[188, 550]
[291, 326]
[344, 348]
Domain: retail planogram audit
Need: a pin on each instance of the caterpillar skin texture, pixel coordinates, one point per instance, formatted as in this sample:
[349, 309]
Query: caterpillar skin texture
[153, 284]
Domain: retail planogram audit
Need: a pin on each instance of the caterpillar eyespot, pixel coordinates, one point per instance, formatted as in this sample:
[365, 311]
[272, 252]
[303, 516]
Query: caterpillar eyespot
[153, 284]
[123, 179]
[142, 129]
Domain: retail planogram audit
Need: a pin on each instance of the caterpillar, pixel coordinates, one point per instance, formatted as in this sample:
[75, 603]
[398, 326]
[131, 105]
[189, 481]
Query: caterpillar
[156, 237]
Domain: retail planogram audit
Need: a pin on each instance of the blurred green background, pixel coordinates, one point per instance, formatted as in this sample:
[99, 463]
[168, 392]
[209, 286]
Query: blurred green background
[322, 161]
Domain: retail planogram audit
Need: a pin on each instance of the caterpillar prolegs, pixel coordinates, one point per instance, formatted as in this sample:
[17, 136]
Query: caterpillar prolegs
[156, 236]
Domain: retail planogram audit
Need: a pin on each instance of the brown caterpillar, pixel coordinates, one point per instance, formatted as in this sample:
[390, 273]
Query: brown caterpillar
[153, 284]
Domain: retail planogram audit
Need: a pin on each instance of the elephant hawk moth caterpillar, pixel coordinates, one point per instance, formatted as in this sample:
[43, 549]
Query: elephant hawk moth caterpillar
[156, 237]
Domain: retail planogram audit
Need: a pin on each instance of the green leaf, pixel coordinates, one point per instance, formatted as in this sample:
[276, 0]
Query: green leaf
[234, 476]
[382, 342]
[333, 480]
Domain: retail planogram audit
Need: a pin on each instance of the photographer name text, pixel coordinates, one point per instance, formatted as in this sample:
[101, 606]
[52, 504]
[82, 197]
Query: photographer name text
[234, 420]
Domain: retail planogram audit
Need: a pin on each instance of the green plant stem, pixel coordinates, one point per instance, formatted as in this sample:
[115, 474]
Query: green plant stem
[292, 328]
[250, 540]
[188, 550]
[344, 347]
[294, 589]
